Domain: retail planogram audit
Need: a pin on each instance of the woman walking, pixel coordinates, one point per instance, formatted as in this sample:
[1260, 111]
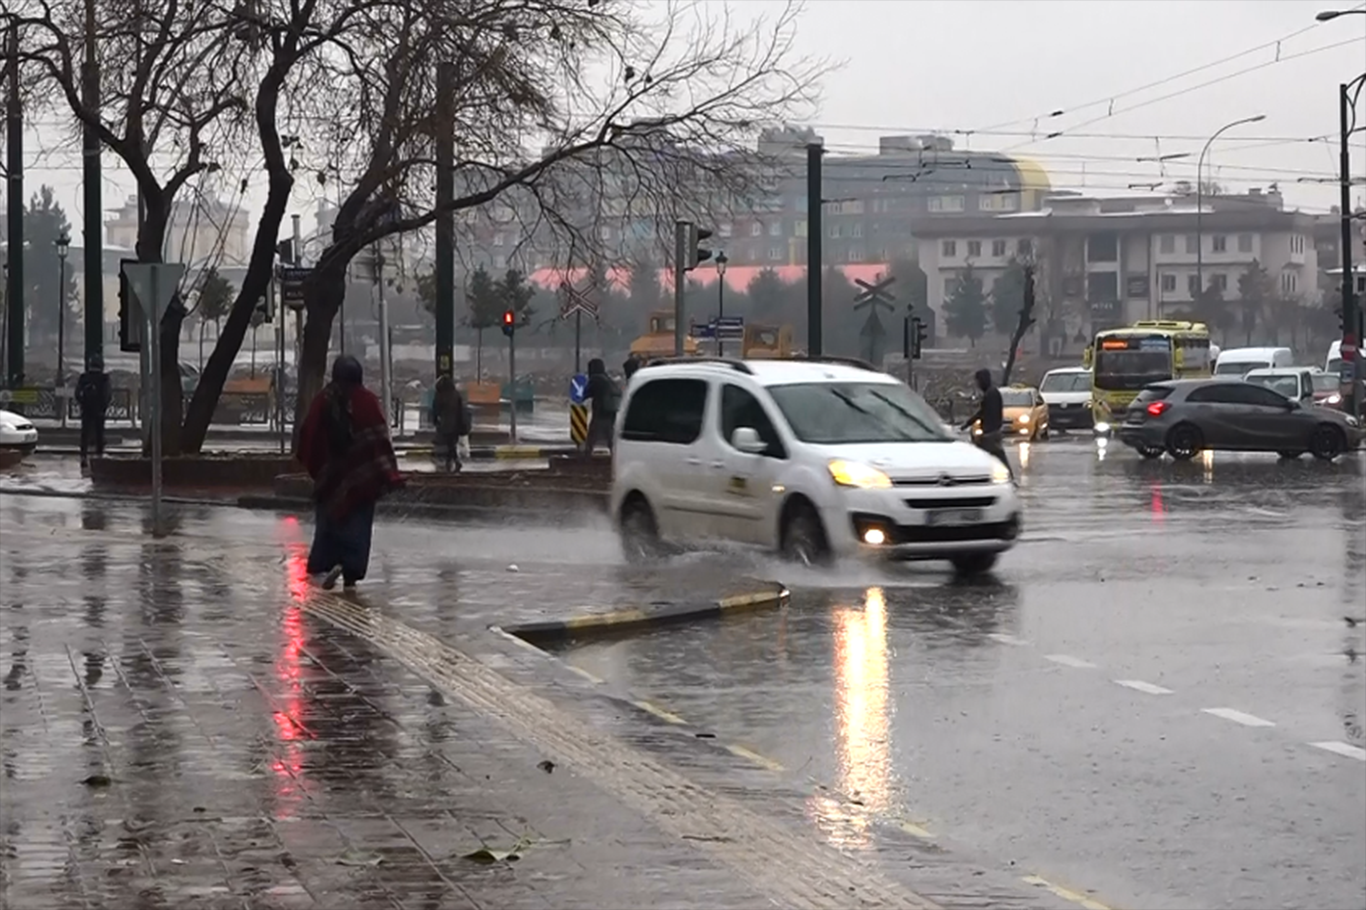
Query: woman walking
[346, 449]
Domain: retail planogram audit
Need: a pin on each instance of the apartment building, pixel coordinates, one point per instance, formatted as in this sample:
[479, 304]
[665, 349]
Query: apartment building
[1105, 262]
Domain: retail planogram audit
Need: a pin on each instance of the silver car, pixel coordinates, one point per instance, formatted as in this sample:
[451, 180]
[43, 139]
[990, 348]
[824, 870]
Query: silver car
[1185, 417]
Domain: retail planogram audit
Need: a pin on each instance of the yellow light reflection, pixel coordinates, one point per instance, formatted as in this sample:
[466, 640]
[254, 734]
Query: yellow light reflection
[862, 723]
[1207, 461]
[1024, 449]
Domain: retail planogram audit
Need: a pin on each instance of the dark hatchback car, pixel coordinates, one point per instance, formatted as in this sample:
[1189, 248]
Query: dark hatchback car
[1185, 417]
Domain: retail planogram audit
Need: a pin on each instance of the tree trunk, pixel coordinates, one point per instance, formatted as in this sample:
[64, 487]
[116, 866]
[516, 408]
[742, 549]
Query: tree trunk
[322, 295]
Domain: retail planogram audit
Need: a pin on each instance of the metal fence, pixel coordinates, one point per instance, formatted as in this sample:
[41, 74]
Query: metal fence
[42, 403]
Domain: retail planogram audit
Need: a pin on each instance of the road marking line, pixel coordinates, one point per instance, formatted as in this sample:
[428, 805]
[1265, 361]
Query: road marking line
[1139, 685]
[1008, 639]
[1066, 894]
[657, 711]
[1342, 748]
[1238, 717]
[762, 760]
[1068, 661]
[597, 681]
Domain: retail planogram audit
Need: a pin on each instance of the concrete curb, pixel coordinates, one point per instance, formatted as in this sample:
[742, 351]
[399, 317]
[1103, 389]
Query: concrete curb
[636, 619]
[294, 506]
[477, 453]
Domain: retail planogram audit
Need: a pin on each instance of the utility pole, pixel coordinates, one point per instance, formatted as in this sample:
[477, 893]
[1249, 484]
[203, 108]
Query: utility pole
[93, 230]
[814, 153]
[1351, 321]
[14, 291]
[445, 220]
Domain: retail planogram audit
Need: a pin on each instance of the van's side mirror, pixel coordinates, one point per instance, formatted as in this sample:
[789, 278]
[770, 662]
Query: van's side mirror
[746, 439]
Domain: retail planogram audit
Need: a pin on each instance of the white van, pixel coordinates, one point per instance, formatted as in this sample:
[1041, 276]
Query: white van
[1333, 363]
[1238, 361]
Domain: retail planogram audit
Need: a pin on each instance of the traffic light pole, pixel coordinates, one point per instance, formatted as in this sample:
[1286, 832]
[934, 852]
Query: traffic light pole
[814, 277]
[445, 221]
[680, 268]
[14, 291]
[93, 232]
[512, 386]
[1351, 321]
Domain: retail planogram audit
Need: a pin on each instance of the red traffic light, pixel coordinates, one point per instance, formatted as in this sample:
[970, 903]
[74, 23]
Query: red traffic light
[509, 317]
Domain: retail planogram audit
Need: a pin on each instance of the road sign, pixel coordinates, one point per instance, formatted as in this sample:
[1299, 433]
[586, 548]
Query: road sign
[703, 332]
[578, 389]
[578, 423]
[154, 284]
[728, 328]
[292, 279]
[1349, 348]
[875, 295]
[576, 301]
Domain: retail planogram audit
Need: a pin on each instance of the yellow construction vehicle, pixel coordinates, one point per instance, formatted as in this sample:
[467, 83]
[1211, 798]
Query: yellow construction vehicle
[766, 342]
[659, 340]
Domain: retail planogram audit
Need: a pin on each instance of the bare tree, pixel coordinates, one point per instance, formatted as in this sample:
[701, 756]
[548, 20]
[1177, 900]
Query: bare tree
[655, 116]
[170, 106]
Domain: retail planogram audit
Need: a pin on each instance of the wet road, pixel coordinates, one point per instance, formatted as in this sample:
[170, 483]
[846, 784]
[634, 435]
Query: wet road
[1158, 703]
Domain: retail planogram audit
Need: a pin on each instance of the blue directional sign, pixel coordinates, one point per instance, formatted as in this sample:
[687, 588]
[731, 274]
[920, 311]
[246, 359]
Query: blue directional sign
[729, 327]
[578, 388]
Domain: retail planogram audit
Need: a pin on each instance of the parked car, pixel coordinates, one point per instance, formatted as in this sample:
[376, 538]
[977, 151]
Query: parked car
[1067, 392]
[1292, 382]
[1185, 417]
[17, 432]
[1327, 390]
[811, 458]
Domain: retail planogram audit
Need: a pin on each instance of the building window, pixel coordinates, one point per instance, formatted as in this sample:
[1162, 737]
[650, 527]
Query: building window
[856, 254]
[998, 202]
[756, 229]
[724, 230]
[1219, 281]
[1297, 244]
[775, 229]
[1166, 243]
[775, 254]
[1024, 246]
[950, 285]
[1103, 247]
[856, 229]
[946, 203]
[1245, 243]
[974, 249]
[1193, 286]
[799, 229]
[1168, 284]
[949, 248]
[835, 231]
[1219, 243]
[499, 239]
[998, 249]
[1290, 283]
[1192, 244]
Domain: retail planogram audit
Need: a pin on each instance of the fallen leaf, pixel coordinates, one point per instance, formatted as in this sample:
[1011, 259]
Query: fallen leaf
[356, 858]
[97, 780]
[488, 855]
[547, 766]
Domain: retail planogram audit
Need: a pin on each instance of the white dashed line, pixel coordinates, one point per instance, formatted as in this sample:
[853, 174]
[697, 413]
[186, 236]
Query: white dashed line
[1146, 688]
[1341, 748]
[1238, 717]
[1069, 661]
[1008, 639]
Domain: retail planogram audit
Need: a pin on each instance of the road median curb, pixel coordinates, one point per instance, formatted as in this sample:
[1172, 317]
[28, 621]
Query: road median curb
[767, 595]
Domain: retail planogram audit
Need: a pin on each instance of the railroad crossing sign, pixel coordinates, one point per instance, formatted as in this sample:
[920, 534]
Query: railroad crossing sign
[875, 295]
[575, 301]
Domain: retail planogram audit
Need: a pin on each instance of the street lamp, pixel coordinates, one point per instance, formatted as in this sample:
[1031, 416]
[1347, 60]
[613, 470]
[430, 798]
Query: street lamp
[63, 245]
[721, 261]
[1329, 15]
[1200, 200]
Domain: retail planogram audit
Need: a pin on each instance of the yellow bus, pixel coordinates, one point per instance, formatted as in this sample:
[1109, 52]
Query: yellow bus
[1124, 360]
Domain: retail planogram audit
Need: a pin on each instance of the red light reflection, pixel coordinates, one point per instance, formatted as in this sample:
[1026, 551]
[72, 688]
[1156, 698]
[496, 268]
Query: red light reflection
[288, 763]
[1157, 508]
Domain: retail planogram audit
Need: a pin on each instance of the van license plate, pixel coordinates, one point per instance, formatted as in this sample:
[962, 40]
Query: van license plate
[948, 517]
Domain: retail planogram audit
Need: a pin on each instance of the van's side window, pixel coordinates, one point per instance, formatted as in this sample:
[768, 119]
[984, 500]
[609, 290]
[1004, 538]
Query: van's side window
[741, 409]
[666, 410]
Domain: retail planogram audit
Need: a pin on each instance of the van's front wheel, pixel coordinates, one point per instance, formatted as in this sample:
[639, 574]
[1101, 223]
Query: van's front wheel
[639, 532]
[803, 539]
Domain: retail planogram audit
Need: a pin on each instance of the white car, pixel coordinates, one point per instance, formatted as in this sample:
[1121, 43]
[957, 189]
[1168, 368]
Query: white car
[1067, 392]
[17, 432]
[812, 458]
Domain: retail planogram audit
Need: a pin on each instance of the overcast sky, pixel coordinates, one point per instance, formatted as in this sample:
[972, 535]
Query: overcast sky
[993, 70]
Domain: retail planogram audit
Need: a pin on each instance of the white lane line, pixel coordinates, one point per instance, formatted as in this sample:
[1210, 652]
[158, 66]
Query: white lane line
[1008, 639]
[1238, 717]
[1342, 748]
[1069, 661]
[1139, 685]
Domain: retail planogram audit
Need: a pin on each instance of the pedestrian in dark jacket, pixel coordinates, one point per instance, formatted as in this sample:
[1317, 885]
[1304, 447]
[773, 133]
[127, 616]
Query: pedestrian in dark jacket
[990, 414]
[604, 397]
[451, 418]
[346, 449]
[93, 393]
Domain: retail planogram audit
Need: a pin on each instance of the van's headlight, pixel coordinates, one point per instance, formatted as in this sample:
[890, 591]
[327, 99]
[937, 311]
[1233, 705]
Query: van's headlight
[857, 474]
[1023, 418]
[1000, 473]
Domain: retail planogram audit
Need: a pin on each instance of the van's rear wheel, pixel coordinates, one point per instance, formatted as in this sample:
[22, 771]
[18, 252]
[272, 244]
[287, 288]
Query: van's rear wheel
[804, 539]
[639, 532]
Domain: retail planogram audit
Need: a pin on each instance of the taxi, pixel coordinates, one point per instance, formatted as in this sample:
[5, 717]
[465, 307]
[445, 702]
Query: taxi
[1024, 414]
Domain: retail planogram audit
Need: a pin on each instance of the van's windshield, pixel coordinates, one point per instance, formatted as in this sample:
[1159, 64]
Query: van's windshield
[834, 413]
[1239, 367]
